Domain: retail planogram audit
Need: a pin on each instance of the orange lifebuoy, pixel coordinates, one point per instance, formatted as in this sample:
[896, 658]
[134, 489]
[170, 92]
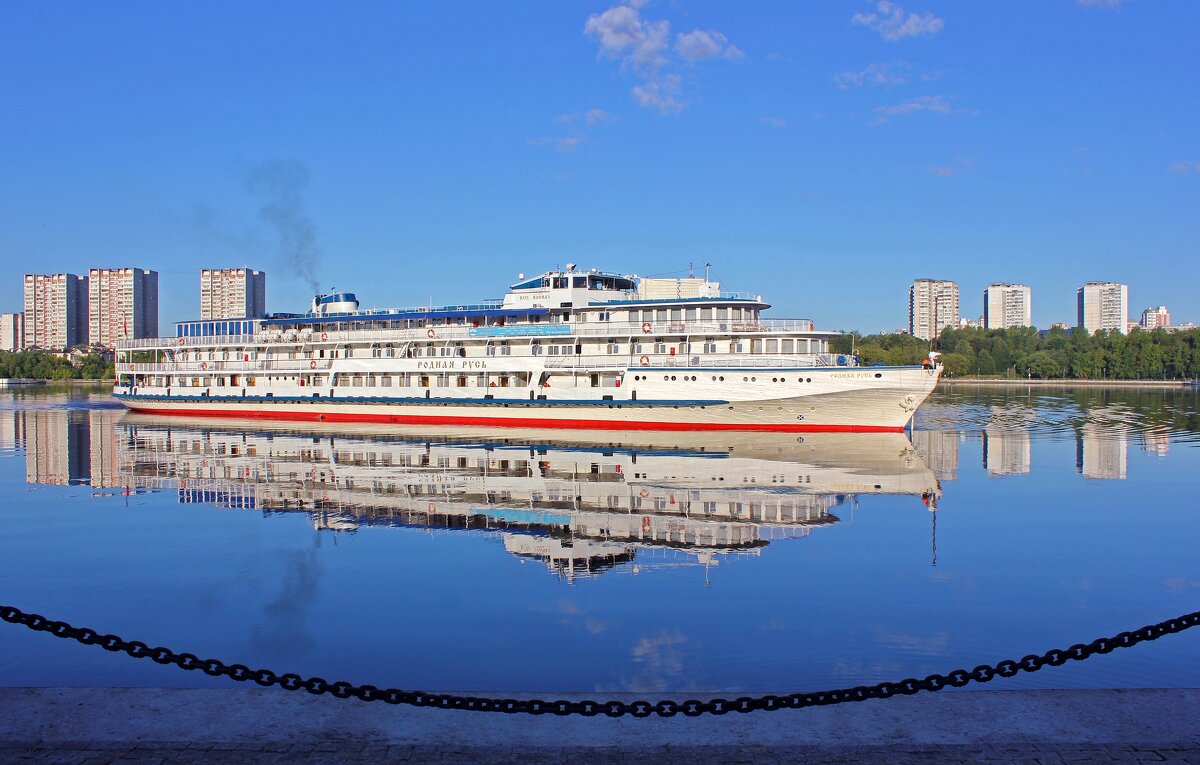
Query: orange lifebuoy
[646, 327]
[643, 493]
[645, 523]
[312, 365]
[180, 341]
[645, 361]
[430, 333]
[203, 365]
[131, 367]
[324, 336]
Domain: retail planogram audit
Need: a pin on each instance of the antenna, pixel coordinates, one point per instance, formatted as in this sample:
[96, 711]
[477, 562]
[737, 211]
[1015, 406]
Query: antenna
[706, 267]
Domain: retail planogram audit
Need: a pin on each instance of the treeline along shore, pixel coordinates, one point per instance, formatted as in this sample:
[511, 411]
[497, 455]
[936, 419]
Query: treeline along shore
[1024, 352]
[33, 365]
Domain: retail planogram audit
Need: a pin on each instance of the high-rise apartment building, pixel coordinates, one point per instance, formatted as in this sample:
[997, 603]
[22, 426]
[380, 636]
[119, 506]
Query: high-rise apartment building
[12, 331]
[1007, 305]
[1103, 305]
[932, 306]
[56, 311]
[232, 293]
[122, 304]
[1153, 318]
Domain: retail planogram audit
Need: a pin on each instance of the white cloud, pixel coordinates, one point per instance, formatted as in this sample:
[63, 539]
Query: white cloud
[894, 24]
[595, 117]
[578, 132]
[1183, 168]
[875, 74]
[660, 94]
[643, 46]
[775, 122]
[701, 45]
[935, 104]
[623, 34]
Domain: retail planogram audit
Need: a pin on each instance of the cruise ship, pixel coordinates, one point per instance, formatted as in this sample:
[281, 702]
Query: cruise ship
[566, 349]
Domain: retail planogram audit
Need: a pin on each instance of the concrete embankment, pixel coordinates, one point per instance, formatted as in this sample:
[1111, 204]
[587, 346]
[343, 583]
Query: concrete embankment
[267, 725]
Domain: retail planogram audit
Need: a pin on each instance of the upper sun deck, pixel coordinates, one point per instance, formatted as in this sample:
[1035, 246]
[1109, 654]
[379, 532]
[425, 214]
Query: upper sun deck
[556, 302]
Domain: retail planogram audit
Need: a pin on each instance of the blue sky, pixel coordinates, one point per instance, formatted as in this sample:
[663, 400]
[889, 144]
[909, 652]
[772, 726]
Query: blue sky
[823, 154]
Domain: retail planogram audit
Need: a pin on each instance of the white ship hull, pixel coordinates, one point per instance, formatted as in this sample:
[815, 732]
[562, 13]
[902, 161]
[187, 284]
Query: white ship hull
[870, 399]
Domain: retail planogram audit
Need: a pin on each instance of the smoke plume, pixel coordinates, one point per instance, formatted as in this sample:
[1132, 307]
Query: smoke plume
[281, 186]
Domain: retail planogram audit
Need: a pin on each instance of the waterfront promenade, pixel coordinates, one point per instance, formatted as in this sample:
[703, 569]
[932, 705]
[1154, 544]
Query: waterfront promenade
[103, 725]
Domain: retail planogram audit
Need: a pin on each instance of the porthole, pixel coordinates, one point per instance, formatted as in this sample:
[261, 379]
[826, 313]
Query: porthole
[666, 377]
[808, 380]
[878, 375]
[714, 378]
[782, 379]
[721, 378]
[745, 379]
[753, 379]
[672, 378]
[774, 379]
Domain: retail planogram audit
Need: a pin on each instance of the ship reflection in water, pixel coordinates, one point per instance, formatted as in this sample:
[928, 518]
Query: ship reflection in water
[578, 502]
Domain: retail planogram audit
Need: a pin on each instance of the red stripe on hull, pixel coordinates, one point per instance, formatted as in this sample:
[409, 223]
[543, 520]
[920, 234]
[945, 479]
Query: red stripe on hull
[517, 422]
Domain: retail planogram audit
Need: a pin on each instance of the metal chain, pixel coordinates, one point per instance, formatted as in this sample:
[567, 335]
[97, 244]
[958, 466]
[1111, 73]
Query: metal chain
[666, 708]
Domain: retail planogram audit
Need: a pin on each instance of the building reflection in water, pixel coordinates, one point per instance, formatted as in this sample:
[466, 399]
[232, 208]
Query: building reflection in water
[1101, 451]
[580, 506]
[939, 449]
[1006, 452]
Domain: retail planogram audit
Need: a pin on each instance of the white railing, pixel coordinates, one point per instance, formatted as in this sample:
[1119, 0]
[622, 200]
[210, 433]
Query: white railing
[203, 365]
[700, 362]
[455, 332]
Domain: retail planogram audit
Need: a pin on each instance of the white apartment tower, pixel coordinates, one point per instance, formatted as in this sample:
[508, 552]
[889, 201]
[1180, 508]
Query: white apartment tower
[1103, 305]
[232, 293]
[932, 306]
[12, 331]
[56, 311]
[122, 304]
[1007, 305]
[1153, 318]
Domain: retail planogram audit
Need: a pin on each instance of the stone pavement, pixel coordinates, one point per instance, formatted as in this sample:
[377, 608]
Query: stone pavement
[99, 725]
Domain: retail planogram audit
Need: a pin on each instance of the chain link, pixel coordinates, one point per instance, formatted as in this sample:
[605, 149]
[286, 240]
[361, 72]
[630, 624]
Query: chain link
[666, 708]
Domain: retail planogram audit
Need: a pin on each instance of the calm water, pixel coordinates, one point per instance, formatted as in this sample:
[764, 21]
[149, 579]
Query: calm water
[1012, 521]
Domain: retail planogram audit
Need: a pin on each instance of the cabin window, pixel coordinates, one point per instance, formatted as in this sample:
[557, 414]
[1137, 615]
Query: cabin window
[706, 314]
[676, 314]
[772, 346]
[491, 350]
[788, 346]
[505, 350]
[446, 350]
[647, 315]
[737, 347]
[358, 381]
[370, 381]
[722, 314]
[552, 350]
[462, 381]
[423, 381]
[443, 380]
[661, 314]
[637, 348]
[660, 347]
[536, 348]
[710, 346]
[756, 346]
[691, 314]
[614, 348]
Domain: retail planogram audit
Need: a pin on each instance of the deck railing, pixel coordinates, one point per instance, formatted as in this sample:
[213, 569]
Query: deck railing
[440, 333]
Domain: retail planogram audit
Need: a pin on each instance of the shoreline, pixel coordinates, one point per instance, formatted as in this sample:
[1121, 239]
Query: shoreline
[1063, 383]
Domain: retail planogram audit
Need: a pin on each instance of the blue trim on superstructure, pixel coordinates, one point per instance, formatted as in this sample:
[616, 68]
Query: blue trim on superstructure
[483, 313]
[680, 300]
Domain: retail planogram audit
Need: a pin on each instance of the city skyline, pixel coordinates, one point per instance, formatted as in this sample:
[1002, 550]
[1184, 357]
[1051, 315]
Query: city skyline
[822, 159]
